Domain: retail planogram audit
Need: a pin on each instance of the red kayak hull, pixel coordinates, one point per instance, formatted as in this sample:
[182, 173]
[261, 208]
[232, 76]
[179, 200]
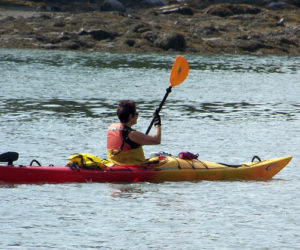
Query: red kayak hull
[45, 174]
[173, 169]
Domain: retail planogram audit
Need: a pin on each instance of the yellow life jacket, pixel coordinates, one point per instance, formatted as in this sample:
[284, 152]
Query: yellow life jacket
[130, 157]
[85, 160]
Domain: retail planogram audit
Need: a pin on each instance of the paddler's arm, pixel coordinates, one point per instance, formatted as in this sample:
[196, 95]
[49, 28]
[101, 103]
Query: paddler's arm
[144, 139]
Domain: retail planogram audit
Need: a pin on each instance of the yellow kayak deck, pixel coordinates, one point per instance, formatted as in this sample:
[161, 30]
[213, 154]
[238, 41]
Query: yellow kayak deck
[174, 169]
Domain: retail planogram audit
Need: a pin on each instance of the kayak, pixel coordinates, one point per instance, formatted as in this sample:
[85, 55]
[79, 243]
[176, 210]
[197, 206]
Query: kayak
[166, 169]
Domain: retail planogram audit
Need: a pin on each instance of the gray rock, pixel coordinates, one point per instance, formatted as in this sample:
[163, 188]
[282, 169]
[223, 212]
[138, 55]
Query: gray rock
[278, 5]
[130, 42]
[59, 24]
[251, 45]
[209, 30]
[141, 28]
[83, 32]
[287, 41]
[281, 22]
[75, 44]
[112, 5]
[184, 10]
[48, 46]
[64, 36]
[156, 2]
[101, 34]
[150, 36]
[224, 10]
[7, 19]
[174, 41]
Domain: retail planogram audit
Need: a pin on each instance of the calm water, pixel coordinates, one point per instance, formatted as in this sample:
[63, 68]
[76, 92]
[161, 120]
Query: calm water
[55, 103]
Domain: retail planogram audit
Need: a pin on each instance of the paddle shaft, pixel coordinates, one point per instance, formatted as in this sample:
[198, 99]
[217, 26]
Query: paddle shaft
[168, 90]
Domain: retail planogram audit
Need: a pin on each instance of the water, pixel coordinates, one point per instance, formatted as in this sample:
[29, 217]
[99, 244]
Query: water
[55, 103]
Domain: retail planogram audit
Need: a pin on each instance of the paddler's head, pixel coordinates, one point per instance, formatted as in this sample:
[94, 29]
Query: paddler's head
[127, 112]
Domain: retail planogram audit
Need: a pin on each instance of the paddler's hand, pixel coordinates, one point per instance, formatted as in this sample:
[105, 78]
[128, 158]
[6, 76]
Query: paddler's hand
[156, 118]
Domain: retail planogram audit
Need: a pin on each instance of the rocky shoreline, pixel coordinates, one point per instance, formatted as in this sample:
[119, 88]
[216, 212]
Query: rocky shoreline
[221, 28]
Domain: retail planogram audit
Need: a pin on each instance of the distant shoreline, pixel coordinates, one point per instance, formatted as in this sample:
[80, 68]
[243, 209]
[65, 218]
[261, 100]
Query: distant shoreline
[218, 29]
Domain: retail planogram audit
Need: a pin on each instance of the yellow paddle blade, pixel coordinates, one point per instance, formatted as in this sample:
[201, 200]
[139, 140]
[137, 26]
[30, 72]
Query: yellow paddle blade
[179, 71]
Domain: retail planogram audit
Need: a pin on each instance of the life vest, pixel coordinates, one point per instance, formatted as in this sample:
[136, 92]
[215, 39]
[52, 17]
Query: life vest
[120, 149]
[88, 161]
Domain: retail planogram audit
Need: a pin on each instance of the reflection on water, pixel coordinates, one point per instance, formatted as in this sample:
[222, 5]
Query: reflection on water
[8, 186]
[84, 59]
[243, 64]
[103, 108]
[56, 107]
[127, 191]
[212, 63]
[243, 110]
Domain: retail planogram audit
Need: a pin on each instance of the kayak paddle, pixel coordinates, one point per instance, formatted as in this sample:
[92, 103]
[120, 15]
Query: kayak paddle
[178, 74]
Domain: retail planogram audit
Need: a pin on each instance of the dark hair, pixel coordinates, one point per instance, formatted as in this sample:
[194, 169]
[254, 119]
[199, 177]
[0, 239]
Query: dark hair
[125, 108]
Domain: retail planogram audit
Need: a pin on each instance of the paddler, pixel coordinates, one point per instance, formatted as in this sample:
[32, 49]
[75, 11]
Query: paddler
[124, 144]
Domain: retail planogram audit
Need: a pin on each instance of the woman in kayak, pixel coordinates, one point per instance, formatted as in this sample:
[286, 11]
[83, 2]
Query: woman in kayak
[124, 144]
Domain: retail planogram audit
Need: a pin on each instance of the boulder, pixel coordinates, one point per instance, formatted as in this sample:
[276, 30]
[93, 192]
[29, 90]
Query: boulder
[150, 36]
[59, 23]
[47, 38]
[112, 5]
[101, 34]
[7, 19]
[287, 41]
[180, 9]
[281, 22]
[83, 32]
[209, 30]
[74, 44]
[174, 41]
[251, 45]
[278, 5]
[64, 36]
[141, 28]
[224, 10]
[130, 42]
[155, 2]
[45, 17]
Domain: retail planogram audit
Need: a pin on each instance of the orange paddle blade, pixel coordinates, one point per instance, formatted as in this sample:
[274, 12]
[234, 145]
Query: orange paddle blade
[179, 71]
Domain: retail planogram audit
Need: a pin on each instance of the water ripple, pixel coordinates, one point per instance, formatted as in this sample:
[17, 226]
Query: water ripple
[55, 103]
[212, 63]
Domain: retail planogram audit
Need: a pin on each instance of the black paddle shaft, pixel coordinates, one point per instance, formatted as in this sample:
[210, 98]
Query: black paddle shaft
[168, 90]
